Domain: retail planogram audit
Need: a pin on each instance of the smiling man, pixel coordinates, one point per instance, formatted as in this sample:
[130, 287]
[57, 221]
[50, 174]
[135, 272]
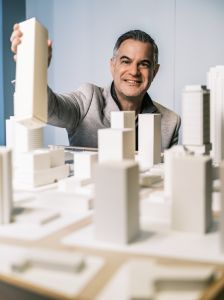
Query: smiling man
[133, 67]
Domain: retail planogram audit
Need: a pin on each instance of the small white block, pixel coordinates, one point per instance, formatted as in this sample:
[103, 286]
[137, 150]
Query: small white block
[116, 144]
[34, 161]
[83, 164]
[36, 216]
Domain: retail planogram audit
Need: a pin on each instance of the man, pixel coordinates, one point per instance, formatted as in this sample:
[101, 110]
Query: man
[133, 67]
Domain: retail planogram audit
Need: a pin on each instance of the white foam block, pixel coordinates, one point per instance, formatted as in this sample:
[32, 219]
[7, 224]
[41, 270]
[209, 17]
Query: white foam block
[83, 164]
[192, 193]
[42, 177]
[30, 104]
[149, 140]
[6, 198]
[115, 144]
[117, 191]
[34, 160]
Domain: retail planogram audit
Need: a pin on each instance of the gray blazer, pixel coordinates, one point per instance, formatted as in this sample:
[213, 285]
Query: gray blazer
[88, 109]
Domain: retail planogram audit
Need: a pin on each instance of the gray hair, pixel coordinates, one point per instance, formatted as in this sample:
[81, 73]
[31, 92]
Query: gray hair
[137, 35]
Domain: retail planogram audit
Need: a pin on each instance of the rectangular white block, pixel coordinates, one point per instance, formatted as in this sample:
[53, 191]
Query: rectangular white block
[221, 215]
[116, 201]
[149, 140]
[83, 164]
[196, 115]
[6, 195]
[192, 193]
[34, 160]
[115, 144]
[41, 177]
[215, 81]
[30, 99]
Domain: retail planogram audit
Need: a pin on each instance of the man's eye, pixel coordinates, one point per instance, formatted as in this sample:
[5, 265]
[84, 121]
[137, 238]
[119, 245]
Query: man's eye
[145, 65]
[125, 62]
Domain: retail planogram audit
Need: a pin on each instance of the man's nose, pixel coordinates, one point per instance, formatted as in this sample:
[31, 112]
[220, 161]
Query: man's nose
[134, 70]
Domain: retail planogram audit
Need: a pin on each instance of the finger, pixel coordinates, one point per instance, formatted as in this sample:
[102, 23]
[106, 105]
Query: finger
[14, 57]
[14, 44]
[15, 34]
[15, 26]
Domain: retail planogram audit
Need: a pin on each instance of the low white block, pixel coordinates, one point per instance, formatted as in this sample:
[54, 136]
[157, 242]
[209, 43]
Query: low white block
[42, 177]
[34, 160]
[30, 99]
[83, 164]
[192, 193]
[147, 179]
[6, 196]
[115, 144]
[70, 184]
[116, 201]
[149, 140]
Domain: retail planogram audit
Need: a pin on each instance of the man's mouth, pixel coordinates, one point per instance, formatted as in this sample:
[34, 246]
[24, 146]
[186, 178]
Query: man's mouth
[132, 81]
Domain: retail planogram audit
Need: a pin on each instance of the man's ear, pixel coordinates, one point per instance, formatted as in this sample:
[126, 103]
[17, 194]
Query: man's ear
[156, 69]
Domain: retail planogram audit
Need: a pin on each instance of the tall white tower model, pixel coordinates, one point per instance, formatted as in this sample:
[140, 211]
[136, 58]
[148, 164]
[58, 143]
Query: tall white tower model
[5, 185]
[196, 119]
[216, 85]
[30, 98]
[221, 215]
[116, 201]
[149, 140]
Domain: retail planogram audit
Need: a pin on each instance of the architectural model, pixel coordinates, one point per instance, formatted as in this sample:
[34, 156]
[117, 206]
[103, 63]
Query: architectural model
[191, 193]
[149, 140]
[116, 201]
[215, 82]
[83, 164]
[30, 99]
[196, 119]
[6, 198]
[116, 144]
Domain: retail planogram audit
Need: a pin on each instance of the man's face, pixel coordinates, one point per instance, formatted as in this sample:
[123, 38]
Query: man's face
[133, 69]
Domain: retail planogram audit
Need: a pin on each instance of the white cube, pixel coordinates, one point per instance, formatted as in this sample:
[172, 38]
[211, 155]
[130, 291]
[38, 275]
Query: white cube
[34, 160]
[57, 157]
[116, 201]
[83, 164]
[115, 144]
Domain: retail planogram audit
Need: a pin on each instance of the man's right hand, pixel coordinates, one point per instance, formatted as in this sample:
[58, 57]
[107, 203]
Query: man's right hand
[16, 38]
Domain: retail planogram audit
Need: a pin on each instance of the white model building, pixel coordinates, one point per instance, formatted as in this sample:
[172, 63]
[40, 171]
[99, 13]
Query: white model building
[116, 144]
[196, 119]
[191, 193]
[30, 98]
[6, 197]
[149, 140]
[83, 164]
[116, 201]
[215, 83]
[221, 215]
